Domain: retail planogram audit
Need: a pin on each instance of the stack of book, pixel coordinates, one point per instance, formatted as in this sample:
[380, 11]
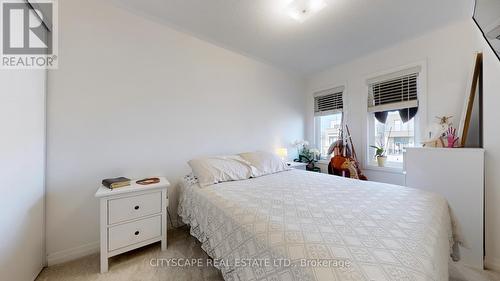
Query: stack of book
[116, 182]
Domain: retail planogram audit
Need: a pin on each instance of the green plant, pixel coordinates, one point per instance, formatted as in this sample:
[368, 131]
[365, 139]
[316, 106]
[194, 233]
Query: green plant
[307, 154]
[379, 151]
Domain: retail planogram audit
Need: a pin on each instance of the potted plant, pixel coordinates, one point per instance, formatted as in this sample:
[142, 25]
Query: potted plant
[380, 155]
[307, 155]
[380, 152]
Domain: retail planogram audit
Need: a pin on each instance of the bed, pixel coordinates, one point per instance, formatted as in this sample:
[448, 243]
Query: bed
[299, 225]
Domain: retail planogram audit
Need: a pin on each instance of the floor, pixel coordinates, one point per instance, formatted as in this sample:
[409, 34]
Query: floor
[136, 265]
[461, 273]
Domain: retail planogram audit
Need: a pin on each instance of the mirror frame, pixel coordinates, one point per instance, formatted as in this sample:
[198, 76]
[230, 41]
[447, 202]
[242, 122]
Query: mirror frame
[482, 32]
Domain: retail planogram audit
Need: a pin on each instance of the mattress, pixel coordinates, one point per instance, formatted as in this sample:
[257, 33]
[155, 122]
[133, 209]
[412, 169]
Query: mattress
[299, 225]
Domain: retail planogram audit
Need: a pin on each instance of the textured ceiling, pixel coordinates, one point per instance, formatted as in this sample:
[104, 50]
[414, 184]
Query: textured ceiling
[344, 30]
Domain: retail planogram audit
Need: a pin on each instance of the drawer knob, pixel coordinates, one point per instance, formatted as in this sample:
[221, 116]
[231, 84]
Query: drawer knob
[136, 208]
[136, 233]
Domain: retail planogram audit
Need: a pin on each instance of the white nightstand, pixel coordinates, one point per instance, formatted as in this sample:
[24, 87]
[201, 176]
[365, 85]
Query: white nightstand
[297, 165]
[132, 217]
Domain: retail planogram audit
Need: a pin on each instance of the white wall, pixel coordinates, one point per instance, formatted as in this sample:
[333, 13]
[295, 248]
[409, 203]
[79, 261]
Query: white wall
[22, 161]
[135, 98]
[448, 55]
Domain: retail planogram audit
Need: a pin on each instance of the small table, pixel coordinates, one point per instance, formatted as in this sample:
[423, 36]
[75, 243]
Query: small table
[297, 165]
[132, 217]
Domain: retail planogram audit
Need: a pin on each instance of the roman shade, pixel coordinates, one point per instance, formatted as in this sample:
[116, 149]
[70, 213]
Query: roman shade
[328, 101]
[394, 92]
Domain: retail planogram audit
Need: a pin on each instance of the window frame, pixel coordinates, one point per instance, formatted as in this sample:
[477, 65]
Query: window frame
[420, 121]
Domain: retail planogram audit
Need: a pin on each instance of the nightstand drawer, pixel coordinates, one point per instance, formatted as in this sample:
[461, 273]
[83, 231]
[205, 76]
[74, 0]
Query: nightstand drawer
[134, 232]
[133, 207]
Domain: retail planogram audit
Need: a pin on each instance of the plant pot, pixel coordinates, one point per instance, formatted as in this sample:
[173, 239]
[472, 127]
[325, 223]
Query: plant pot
[381, 160]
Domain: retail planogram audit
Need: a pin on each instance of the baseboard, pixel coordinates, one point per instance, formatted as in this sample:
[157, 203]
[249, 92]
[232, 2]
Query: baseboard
[492, 264]
[73, 253]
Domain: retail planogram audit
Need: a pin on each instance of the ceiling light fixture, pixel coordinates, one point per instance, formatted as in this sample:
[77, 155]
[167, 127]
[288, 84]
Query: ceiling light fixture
[301, 10]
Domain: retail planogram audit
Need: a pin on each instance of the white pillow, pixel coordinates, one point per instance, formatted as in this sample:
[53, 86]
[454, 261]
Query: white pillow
[265, 162]
[216, 169]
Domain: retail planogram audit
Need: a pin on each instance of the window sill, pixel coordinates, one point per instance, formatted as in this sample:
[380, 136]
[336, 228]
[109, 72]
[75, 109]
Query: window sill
[394, 169]
[388, 169]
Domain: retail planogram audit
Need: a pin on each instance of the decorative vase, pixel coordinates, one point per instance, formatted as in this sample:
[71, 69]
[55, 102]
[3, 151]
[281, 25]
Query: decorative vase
[381, 160]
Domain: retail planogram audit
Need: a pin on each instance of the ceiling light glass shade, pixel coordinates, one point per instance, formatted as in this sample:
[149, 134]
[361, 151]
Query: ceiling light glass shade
[301, 10]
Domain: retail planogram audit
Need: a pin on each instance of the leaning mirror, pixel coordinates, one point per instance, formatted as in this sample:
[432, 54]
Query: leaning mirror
[487, 17]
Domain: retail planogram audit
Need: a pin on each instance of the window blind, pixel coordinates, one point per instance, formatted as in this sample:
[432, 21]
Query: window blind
[328, 101]
[394, 94]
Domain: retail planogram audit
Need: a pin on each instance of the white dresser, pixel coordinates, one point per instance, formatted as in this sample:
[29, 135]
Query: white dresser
[132, 217]
[458, 175]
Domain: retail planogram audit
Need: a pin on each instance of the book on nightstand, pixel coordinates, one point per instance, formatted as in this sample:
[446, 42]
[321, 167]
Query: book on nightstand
[116, 182]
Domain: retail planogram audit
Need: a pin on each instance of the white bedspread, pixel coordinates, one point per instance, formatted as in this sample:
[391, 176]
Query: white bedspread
[330, 228]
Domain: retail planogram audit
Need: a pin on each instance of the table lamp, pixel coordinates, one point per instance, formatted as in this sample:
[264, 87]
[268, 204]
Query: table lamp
[282, 152]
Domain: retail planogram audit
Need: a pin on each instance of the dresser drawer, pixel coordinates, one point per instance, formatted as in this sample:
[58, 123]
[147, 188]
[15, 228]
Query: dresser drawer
[134, 232]
[133, 207]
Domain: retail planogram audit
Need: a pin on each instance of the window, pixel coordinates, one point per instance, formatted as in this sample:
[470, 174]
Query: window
[330, 126]
[392, 108]
[328, 106]
[397, 124]
[394, 138]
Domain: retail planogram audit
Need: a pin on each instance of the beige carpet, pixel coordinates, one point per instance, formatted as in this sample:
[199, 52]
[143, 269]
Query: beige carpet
[458, 272]
[135, 265]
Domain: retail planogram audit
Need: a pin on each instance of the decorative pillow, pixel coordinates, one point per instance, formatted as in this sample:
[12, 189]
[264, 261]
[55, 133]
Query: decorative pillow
[216, 169]
[265, 162]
